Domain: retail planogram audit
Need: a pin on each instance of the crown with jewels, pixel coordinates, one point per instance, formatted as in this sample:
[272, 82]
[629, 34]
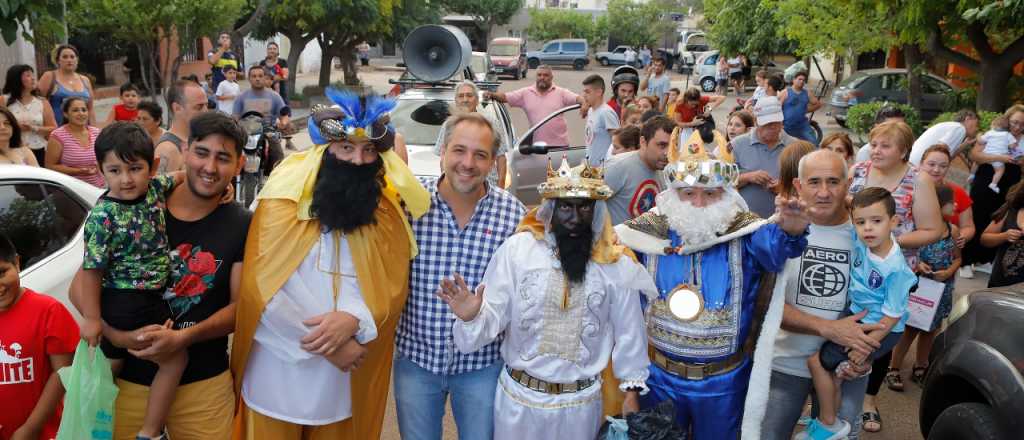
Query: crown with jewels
[583, 181]
[691, 166]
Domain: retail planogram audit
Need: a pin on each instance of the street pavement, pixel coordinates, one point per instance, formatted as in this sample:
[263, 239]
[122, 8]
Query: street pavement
[899, 411]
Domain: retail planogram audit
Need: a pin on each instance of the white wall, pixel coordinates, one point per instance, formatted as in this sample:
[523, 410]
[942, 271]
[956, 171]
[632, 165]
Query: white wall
[21, 52]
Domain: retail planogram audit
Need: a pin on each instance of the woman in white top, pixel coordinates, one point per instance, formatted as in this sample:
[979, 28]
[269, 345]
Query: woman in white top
[11, 149]
[34, 115]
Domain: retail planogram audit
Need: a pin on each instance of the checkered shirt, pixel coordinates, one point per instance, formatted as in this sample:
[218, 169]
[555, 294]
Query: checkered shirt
[425, 328]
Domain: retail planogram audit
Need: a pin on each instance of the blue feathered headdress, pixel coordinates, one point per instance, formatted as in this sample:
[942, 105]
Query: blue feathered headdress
[352, 117]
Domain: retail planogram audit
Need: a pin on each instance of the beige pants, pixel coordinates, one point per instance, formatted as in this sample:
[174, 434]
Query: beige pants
[201, 410]
[260, 427]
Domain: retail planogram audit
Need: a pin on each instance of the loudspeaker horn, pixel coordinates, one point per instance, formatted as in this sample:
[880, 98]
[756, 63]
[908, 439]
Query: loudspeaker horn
[435, 53]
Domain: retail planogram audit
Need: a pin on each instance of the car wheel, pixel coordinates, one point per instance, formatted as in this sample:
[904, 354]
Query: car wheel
[534, 63]
[971, 420]
[707, 84]
[604, 61]
[578, 64]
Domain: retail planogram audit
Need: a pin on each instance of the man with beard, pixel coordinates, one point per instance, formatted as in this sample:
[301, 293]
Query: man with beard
[467, 100]
[325, 279]
[539, 101]
[713, 262]
[625, 81]
[565, 296]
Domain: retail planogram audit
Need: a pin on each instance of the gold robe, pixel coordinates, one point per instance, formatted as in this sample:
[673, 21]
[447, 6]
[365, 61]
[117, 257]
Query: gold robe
[280, 237]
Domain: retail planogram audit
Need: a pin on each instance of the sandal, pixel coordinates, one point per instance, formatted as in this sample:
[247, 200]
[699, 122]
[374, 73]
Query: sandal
[871, 417]
[893, 380]
[918, 374]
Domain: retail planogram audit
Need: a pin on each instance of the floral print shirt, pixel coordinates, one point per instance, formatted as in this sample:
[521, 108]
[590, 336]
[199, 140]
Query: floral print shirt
[127, 239]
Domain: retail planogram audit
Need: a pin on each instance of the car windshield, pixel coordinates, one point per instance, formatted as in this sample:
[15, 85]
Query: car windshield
[420, 120]
[504, 50]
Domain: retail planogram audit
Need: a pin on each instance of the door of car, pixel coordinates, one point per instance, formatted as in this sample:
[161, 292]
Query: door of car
[551, 53]
[893, 88]
[572, 50]
[934, 96]
[529, 159]
[44, 222]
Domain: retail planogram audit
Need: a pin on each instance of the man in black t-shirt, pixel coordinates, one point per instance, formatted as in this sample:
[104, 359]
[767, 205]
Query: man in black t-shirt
[277, 70]
[207, 242]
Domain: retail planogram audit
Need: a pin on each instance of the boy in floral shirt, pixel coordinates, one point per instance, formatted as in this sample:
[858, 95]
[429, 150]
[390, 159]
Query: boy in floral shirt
[127, 259]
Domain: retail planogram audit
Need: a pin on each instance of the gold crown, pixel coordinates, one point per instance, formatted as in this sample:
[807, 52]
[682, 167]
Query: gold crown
[583, 181]
[690, 165]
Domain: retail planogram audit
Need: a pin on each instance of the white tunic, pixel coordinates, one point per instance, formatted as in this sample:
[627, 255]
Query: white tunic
[282, 380]
[523, 297]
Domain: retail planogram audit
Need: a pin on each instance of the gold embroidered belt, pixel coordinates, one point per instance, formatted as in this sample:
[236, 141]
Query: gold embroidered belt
[697, 371]
[541, 386]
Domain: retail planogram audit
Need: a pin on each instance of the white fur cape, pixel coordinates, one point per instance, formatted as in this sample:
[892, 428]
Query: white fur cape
[757, 392]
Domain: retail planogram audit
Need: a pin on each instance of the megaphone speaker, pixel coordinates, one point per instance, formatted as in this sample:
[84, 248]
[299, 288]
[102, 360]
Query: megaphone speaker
[434, 53]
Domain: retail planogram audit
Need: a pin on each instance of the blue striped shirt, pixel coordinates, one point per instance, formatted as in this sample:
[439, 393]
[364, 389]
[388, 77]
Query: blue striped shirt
[425, 328]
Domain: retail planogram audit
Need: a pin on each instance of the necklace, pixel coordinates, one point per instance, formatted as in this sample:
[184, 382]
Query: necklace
[685, 301]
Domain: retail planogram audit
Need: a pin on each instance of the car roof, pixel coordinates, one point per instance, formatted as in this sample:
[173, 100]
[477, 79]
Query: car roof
[506, 40]
[29, 173]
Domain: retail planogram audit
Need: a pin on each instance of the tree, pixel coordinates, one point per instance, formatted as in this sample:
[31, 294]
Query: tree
[749, 27]
[41, 16]
[487, 13]
[638, 24]
[298, 20]
[552, 23]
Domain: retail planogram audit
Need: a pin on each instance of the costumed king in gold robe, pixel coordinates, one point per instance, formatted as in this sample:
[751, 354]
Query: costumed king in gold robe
[714, 264]
[324, 280]
[567, 300]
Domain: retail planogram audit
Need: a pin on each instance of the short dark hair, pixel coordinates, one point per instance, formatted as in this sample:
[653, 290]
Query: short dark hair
[66, 105]
[945, 194]
[964, 115]
[13, 87]
[15, 141]
[62, 48]
[176, 92]
[629, 137]
[869, 196]
[653, 125]
[129, 87]
[8, 253]
[153, 109]
[658, 59]
[274, 43]
[255, 67]
[210, 123]
[650, 114]
[125, 139]
[887, 112]
[676, 90]
[594, 80]
[775, 82]
[802, 73]
[691, 94]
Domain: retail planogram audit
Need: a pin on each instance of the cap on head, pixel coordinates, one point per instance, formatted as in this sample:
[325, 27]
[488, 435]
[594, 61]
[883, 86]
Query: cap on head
[768, 110]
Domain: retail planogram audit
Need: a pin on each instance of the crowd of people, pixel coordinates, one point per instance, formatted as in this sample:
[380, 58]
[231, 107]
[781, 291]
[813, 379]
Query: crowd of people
[680, 268]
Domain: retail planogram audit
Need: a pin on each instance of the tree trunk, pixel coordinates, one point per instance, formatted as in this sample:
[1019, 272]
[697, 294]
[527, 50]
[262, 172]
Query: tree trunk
[992, 94]
[994, 69]
[348, 65]
[914, 60]
[298, 43]
[326, 61]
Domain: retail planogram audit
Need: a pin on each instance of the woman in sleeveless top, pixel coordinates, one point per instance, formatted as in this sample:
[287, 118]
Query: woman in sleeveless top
[917, 208]
[11, 149]
[1004, 234]
[985, 200]
[64, 82]
[71, 149]
[34, 115]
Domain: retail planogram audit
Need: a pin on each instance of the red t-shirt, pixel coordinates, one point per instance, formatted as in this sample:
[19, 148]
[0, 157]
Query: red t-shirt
[961, 202]
[687, 113]
[615, 106]
[31, 330]
[122, 113]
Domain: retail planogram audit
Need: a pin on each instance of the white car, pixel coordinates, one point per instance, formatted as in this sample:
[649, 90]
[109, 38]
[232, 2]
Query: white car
[42, 212]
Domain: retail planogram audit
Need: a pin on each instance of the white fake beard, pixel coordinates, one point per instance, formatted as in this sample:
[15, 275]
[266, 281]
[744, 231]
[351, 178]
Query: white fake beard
[698, 225]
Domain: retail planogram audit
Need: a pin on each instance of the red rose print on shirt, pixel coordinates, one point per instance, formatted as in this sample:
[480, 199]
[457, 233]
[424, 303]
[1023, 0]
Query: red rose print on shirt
[184, 250]
[190, 285]
[202, 263]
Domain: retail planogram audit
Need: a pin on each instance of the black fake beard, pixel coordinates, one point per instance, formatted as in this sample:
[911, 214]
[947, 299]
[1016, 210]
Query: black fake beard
[346, 195]
[574, 252]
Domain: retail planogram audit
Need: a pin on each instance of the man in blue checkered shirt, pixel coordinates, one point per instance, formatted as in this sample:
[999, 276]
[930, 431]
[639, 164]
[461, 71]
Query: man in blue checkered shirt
[467, 222]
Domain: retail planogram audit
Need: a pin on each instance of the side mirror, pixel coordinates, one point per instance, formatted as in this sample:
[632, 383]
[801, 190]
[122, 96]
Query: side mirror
[535, 148]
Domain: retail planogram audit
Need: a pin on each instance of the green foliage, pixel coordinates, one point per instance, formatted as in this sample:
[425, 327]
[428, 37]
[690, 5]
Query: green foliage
[551, 23]
[640, 23]
[750, 27]
[861, 117]
[487, 12]
[984, 119]
[44, 17]
[833, 26]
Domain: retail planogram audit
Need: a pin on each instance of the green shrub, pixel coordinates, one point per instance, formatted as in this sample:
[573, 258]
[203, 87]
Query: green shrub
[984, 119]
[861, 117]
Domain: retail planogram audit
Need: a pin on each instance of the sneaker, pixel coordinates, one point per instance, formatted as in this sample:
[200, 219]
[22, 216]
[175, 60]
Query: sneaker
[984, 268]
[818, 431]
[804, 420]
[994, 188]
[967, 272]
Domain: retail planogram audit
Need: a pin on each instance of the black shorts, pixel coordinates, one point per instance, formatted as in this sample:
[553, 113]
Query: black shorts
[736, 76]
[722, 82]
[832, 354]
[130, 309]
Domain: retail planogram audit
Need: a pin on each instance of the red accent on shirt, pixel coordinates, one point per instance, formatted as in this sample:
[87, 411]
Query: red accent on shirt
[687, 113]
[122, 113]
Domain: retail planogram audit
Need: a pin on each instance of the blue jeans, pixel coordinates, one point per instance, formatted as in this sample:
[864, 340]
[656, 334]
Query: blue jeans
[420, 400]
[786, 401]
[806, 132]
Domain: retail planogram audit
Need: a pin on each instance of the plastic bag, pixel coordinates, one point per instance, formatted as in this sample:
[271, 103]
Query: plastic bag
[89, 399]
[657, 423]
[614, 429]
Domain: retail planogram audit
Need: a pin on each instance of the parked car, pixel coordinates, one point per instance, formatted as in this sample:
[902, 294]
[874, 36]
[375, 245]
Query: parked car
[483, 68]
[421, 112]
[509, 57]
[706, 68]
[42, 212]
[691, 46]
[616, 57]
[974, 388]
[566, 52]
[528, 160]
[890, 85]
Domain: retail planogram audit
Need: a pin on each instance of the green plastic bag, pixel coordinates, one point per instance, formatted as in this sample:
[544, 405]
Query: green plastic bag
[89, 399]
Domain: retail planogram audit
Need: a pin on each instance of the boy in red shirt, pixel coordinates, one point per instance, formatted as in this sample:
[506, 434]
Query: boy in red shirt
[128, 108]
[38, 336]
